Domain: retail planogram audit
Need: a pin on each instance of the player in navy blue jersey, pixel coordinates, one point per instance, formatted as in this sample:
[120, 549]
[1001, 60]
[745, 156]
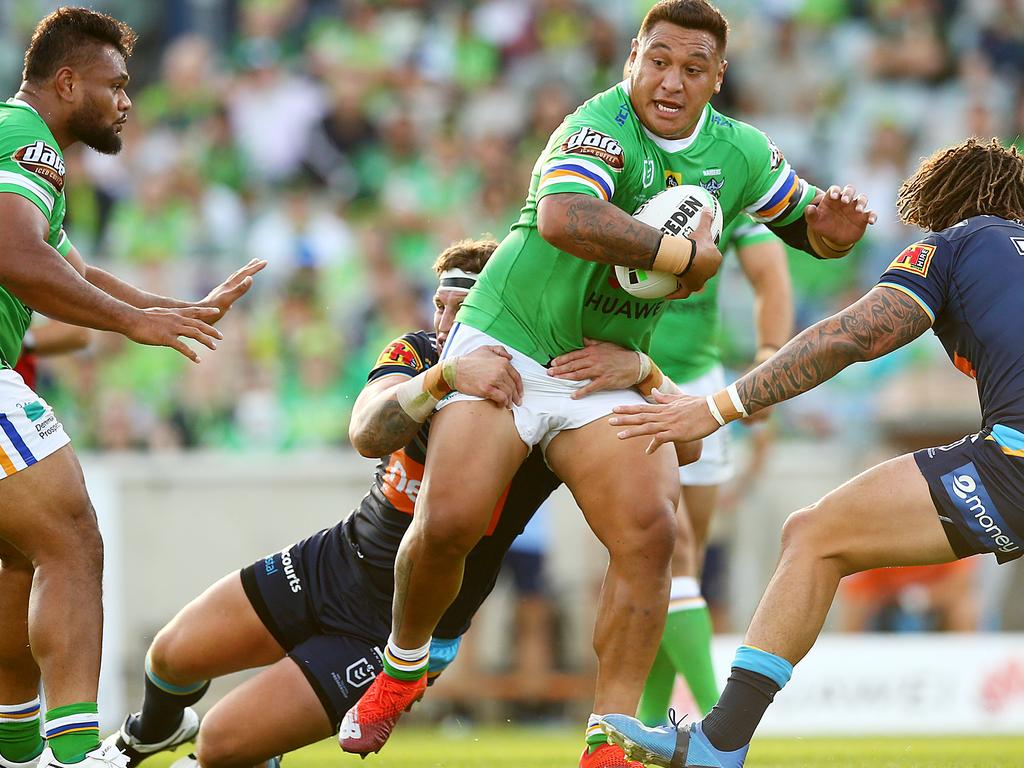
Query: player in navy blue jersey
[965, 280]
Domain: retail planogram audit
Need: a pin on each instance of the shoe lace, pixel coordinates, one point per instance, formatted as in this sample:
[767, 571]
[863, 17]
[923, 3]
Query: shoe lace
[674, 719]
[394, 697]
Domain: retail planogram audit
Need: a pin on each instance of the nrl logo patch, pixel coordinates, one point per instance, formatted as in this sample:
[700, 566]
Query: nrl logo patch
[587, 141]
[42, 160]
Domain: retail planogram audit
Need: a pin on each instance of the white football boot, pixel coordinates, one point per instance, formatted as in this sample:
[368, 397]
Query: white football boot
[104, 756]
[138, 750]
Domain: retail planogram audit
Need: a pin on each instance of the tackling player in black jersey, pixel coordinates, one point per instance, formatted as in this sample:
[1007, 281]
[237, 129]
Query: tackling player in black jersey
[317, 614]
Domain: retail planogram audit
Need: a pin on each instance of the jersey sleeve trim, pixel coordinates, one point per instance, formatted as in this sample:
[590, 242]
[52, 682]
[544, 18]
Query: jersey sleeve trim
[782, 199]
[19, 185]
[575, 172]
[911, 294]
[63, 246]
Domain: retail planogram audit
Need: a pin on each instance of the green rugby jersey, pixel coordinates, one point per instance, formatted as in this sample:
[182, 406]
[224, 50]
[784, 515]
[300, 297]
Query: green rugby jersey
[542, 301]
[31, 165]
[686, 339]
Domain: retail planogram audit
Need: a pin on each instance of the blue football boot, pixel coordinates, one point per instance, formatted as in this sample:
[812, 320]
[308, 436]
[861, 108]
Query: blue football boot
[670, 746]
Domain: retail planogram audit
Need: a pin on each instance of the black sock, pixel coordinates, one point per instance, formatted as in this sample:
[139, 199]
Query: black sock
[735, 717]
[162, 711]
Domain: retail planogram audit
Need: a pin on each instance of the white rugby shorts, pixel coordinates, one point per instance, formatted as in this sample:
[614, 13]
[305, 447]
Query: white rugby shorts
[29, 430]
[714, 466]
[548, 407]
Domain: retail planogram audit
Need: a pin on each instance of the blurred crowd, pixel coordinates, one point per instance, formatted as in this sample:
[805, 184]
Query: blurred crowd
[347, 141]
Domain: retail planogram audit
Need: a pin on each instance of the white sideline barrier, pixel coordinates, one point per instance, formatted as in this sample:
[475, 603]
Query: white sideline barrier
[898, 684]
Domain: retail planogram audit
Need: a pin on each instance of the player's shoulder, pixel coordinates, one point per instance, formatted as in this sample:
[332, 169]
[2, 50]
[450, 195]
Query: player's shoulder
[410, 353]
[983, 226]
[27, 146]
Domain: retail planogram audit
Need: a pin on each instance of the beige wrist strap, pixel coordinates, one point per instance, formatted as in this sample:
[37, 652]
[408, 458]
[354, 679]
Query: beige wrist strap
[675, 255]
[825, 248]
[419, 395]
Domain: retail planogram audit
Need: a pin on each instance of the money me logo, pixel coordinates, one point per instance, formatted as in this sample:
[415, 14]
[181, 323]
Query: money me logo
[964, 486]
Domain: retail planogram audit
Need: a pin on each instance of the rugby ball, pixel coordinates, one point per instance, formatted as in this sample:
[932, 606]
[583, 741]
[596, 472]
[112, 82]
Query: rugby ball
[676, 211]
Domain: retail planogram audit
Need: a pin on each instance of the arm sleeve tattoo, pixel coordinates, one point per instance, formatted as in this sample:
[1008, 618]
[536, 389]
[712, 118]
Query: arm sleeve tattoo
[883, 320]
[598, 231]
[387, 429]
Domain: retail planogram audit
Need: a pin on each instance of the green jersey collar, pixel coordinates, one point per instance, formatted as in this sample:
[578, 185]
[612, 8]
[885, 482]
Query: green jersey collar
[670, 145]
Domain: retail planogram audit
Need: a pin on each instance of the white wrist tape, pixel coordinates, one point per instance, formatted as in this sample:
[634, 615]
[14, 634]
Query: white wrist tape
[417, 403]
[713, 407]
[735, 397]
[645, 367]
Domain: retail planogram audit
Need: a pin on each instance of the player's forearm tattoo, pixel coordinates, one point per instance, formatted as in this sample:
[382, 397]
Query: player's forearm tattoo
[388, 429]
[594, 232]
[884, 320]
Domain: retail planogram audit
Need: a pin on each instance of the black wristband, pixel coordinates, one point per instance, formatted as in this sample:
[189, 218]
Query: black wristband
[657, 247]
[693, 255]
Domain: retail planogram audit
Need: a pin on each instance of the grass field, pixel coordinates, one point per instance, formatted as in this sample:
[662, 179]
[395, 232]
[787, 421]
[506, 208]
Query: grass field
[547, 748]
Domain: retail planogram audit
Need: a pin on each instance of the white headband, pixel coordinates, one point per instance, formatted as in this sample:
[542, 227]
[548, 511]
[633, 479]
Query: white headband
[458, 280]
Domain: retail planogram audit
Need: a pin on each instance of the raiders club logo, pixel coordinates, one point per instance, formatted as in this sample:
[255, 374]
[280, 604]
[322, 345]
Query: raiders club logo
[587, 141]
[44, 161]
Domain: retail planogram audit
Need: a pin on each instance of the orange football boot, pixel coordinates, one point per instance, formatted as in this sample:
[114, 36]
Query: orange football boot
[367, 726]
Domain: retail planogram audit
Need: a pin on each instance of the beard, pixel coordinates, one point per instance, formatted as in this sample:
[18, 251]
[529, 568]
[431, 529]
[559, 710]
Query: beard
[88, 126]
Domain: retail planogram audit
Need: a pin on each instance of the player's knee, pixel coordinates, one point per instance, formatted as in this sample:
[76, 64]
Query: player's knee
[168, 658]
[806, 532]
[649, 532]
[452, 530]
[221, 744]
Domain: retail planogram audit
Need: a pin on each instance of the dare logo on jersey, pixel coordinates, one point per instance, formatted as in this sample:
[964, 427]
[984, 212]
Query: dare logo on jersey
[400, 352]
[43, 160]
[915, 259]
[587, 141]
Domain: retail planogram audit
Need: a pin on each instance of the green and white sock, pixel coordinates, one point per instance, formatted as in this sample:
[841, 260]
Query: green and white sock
[20, 739]
[73, 730]
[657, 695]
[595, 736]
[403, 664]
[687, 641]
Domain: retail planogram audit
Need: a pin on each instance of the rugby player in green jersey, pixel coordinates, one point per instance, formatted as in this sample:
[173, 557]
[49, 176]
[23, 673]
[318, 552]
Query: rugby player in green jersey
[50, 548]
[686, 348]
[547, 287]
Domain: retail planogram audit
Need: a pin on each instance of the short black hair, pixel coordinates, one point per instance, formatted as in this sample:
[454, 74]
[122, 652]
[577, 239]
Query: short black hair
[70, 36]
[689, 14]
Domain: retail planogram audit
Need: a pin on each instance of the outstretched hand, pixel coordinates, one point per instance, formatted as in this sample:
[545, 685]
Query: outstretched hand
[674, 419]
[840, 215]
[231, 290]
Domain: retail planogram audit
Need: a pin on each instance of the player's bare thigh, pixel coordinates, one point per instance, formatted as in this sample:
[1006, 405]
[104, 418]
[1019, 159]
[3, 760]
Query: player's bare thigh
[217, 633]
[473, 453]
[45, 505]
[693, 518]
[883, 517]
[270, 714]
[615, 482]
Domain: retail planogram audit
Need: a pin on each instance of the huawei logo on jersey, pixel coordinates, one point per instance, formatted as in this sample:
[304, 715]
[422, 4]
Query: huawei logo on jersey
[44, 161]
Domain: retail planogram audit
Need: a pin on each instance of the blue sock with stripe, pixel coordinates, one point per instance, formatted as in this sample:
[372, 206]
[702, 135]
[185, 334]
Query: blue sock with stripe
[755, 679]
[73, 730]
[162, 706]
[20, 738]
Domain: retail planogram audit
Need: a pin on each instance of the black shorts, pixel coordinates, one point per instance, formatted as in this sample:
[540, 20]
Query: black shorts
[979, 494]
[316, 600]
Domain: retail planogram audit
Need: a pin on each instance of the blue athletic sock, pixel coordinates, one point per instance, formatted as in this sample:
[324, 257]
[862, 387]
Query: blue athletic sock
[756, 677]
[162, 707]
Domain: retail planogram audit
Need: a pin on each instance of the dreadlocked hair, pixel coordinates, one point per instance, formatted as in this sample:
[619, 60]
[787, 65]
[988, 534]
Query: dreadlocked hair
[970, 179]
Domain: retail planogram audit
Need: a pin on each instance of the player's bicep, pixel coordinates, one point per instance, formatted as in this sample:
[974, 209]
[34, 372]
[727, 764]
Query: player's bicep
[883, 320]
[776, 194]
[376, 390]
[25, 230]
